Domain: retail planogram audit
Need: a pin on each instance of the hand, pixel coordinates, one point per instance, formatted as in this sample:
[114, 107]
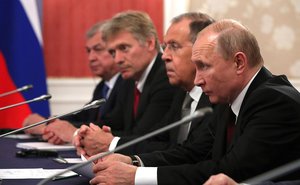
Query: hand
[106, 128]
[31, 119]
[113, 173]
[77, 140]
[220, 179]
[117, 157]
[50, 137]
[63, 130]
[95, 140]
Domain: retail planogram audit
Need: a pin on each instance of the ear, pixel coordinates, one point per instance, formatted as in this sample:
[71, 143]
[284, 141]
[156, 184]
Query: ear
[240, 61]
[150, 43]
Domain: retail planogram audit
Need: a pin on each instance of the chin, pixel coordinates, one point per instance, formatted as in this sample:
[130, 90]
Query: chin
[173, 82]
[126, 76]
[214, 100]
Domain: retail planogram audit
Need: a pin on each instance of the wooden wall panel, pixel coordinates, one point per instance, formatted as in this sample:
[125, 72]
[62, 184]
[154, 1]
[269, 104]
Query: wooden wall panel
[66, 21]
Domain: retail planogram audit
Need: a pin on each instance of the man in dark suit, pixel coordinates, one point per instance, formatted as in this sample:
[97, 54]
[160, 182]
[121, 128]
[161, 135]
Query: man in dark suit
[181, 72]
[146, 94]
[265, 124]
[102, 65]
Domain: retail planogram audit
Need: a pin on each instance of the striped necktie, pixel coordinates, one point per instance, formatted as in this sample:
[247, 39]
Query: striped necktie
[185, 111]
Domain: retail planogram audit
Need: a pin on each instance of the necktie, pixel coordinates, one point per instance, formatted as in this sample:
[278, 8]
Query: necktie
[136, 100]
[230, 125]
[104, 91]
[185, 111]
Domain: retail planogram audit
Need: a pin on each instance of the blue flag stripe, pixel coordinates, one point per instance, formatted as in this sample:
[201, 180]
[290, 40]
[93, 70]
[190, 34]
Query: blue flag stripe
[22, 52]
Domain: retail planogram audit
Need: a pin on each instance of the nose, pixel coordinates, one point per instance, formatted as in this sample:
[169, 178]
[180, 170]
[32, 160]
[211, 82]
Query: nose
[118, 57]
[199, 80]
[92, 56]
[167, 57]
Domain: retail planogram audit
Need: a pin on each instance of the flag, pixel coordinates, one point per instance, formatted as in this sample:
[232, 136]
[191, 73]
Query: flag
[21, 61]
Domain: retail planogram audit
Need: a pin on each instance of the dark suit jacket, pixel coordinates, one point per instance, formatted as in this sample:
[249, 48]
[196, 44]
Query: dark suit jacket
[155, 101]
[296, 182]
[92, 115]
[168, 139]
[267, 135]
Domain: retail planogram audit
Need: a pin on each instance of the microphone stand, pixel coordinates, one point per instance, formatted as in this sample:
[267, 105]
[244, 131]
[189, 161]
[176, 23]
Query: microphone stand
[43, 97]
[275, 173]
[24, 88]
[93, 104]
[197, 114]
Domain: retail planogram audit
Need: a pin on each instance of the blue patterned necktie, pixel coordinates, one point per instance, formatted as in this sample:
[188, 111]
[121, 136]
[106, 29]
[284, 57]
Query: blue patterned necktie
[104, 91]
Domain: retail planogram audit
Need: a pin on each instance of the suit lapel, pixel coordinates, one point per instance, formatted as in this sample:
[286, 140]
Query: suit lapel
[219, 148]
[203, 102]
[177, 116]
[260, 78]
[129, 119]
[147, 86]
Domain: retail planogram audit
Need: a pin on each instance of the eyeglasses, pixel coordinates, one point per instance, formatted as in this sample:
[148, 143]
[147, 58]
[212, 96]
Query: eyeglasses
[173, 46]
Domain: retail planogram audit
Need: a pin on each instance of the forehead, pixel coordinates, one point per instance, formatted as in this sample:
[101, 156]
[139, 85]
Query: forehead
[122, 37]
[178, 31]
[96, 38]
[204, 46]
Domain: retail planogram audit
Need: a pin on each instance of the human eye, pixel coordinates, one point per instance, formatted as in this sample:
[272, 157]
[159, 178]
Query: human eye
[112, 52]
[201, 65]
[88, 50]
[98, 49]
[123, 47]
[163, 46]
[174, 46]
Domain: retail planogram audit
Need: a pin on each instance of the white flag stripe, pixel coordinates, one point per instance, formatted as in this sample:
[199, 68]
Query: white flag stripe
[31, 9]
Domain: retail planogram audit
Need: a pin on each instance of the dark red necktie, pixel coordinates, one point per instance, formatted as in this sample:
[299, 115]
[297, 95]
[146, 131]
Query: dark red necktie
[136, 100]
[230, 125]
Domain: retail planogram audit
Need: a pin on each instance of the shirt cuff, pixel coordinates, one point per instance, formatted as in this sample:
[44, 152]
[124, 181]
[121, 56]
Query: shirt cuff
[75, 133]
[146, 176]
[113, 143]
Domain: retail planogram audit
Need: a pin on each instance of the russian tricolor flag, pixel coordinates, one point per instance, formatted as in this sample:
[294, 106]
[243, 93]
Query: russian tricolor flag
[21, 61]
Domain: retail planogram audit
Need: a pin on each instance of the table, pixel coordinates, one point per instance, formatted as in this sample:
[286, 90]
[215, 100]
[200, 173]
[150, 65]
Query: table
[9, 160]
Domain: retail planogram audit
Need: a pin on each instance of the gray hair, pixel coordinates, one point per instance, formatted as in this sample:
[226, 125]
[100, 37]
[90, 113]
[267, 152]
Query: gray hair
[198, 22]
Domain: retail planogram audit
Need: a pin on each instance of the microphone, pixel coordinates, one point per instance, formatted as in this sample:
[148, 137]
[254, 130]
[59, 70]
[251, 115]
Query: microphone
[197, 114]
[91, 105]
[275, 173]
[24, 88]
[43, 97]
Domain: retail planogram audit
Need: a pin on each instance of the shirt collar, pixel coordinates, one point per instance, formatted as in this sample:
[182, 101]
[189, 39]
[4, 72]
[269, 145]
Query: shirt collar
[140, 84]
[111, 83]
[236, 105]
[195, 93]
